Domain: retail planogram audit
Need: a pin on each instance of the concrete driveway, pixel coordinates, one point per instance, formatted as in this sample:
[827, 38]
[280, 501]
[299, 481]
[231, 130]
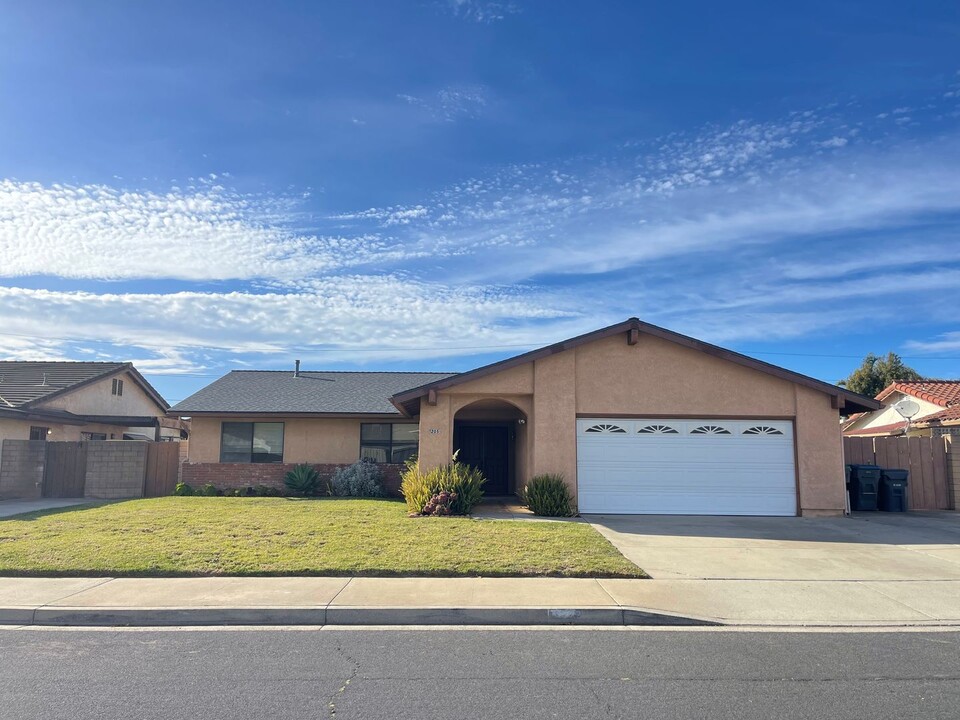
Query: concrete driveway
[17, 507]
[866, 546]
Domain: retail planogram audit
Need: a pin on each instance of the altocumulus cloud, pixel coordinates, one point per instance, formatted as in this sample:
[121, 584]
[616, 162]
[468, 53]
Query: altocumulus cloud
[201, 233]
[352, 312]
[722, 233]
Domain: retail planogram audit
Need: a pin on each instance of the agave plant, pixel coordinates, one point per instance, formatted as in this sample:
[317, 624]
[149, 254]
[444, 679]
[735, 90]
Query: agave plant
[302, 480]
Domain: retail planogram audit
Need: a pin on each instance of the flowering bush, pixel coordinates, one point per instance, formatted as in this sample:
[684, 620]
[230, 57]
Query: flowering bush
[440, 504]
[461, 483]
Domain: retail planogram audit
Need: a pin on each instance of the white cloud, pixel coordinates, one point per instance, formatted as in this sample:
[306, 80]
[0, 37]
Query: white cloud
[481, 11]
[196, 233]
[835, 142]
[343, 315]
[946, 342]
[450, 103]
[745, 232]
[386, 217]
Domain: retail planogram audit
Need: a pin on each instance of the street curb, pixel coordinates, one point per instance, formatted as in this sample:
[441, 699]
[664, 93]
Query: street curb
[340, 615]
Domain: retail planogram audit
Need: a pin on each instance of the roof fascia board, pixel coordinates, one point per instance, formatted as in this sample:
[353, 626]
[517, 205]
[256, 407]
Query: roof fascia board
[148, 388]
[514, 361]
[403, 401]
[246, 413]
[126, 367]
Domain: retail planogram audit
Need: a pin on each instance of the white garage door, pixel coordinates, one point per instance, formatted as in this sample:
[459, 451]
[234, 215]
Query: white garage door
[685, 467]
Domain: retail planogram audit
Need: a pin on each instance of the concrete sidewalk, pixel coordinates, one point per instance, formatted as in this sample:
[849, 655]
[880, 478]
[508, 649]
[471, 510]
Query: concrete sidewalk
[454, 601]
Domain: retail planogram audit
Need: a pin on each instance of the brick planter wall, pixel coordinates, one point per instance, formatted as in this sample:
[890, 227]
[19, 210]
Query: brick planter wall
[241, 475]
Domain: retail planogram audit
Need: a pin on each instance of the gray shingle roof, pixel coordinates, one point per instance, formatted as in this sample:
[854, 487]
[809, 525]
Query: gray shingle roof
[278, 391]
[24, 383]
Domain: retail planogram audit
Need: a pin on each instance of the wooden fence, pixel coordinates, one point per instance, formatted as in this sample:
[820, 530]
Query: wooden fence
[108, 469]
[925, 457]
[64, 469]
[163, 469]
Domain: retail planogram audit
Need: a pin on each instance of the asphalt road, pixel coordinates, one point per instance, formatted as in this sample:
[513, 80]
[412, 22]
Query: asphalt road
[399, 674]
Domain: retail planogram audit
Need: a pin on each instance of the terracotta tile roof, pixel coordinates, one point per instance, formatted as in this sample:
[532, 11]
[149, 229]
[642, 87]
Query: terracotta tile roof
[950, 416]
[939, 392]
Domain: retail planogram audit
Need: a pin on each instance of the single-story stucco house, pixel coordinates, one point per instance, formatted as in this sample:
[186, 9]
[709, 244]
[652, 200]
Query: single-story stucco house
[938, 411]
[67, 400]
[637, 418]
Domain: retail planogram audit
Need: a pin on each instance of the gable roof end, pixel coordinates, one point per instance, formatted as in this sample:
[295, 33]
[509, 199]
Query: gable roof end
[408, 402]
[25, 384]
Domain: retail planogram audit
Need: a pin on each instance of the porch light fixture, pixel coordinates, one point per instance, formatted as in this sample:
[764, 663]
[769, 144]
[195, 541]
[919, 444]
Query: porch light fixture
[907, 409]
[521, 421]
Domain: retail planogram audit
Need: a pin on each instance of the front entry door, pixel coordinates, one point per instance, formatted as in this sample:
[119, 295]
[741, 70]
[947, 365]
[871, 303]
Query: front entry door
[485, 447]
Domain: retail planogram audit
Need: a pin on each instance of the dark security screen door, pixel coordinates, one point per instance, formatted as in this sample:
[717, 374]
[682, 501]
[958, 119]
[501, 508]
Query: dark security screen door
[485, 448]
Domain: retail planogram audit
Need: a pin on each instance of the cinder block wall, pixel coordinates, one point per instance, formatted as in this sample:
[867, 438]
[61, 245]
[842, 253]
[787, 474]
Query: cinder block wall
[115, 469]
[21, 469]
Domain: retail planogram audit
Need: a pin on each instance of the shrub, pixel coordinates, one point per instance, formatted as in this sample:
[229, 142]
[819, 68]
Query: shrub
[208, 490]
[362, 479]
[461, 481]
[440, 504]
[414, 486]
[302, 480]
[548, 495]
[264, 491]
[183, 489]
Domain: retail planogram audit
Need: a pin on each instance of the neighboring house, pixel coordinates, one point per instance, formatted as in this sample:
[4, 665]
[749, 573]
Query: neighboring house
[939, 402]
[80, 401]
[638, 419]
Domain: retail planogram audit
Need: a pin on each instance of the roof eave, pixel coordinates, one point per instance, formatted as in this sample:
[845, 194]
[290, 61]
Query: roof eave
[126, 367]
[180, 413]
[852, 401]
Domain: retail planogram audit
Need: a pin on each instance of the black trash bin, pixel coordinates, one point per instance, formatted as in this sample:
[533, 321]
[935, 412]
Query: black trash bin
[864, 482]
[892, 496]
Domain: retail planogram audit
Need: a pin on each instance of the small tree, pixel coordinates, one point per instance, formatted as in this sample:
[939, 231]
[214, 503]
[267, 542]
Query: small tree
[875, 373]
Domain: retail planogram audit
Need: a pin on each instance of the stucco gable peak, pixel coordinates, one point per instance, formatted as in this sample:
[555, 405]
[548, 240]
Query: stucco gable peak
[632, 328]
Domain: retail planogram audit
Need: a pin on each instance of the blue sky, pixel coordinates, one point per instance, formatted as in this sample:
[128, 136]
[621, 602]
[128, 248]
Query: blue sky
[435, 185]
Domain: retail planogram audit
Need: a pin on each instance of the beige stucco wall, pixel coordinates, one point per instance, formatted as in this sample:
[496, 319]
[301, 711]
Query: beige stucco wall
[96, 399]
[317, 440]
[888, 416]
[654, 377]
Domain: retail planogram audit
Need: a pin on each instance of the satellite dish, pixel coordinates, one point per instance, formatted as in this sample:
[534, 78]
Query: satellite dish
[907, 408]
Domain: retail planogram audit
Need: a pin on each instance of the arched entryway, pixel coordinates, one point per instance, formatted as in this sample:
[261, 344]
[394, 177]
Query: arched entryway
[491, 434]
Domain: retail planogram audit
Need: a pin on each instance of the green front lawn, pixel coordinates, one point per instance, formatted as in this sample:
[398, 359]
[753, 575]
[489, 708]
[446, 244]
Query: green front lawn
[280, 536]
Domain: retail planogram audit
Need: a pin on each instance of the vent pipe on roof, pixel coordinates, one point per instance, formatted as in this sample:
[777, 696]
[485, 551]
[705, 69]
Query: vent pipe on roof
[296, 368]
